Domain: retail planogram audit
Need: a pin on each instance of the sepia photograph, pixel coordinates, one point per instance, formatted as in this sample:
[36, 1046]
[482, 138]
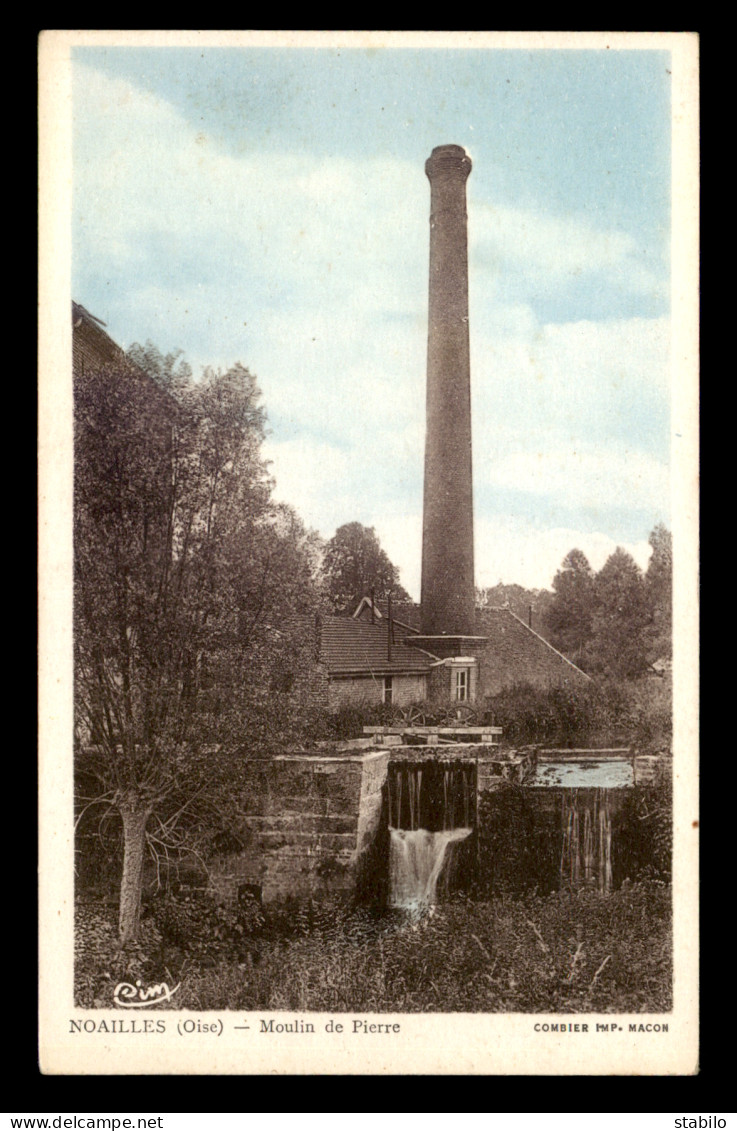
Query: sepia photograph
[368, 505]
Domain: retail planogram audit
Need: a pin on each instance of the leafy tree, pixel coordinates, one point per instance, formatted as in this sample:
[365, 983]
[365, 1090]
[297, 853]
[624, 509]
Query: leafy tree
[186, 576]
[354, 564]
[617, 622]
[569, 617]
[621, 618]
[659, 590]
[520, 601]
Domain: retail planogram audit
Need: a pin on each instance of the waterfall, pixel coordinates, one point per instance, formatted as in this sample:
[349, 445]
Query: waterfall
[586, 854]
[430, 811]
[416, 860]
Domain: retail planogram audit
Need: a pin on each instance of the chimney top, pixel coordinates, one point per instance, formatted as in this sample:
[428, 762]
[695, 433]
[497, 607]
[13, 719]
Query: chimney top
[448, 159]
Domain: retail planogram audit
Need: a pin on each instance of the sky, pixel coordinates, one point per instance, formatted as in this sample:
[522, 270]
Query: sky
[269, 206]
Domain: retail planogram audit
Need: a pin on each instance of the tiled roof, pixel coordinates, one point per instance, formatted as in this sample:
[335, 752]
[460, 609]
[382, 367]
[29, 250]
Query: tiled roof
[349, 645]
[496, 623]
[80, 314]
[91, 344]
[406, 614]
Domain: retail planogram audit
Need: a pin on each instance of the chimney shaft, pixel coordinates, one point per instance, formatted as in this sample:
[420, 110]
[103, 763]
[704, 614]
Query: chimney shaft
[448, 596]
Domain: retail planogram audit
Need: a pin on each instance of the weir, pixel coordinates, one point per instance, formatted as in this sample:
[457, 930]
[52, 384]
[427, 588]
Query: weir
[406, 824]
[586, 853]
[431, 794]
[417, 860]
[432, 809]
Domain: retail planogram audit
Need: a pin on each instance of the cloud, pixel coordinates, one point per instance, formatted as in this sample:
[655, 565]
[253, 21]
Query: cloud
[554, 249]
[514, 552]
[585, 479]
[572, 386]
[328, 488]
[313, 272]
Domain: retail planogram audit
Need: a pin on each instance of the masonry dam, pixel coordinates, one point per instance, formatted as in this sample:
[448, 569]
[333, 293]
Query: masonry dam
[400, 824]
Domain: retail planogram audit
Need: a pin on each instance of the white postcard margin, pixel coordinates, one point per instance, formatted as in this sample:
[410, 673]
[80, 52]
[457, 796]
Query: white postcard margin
[425, 1044]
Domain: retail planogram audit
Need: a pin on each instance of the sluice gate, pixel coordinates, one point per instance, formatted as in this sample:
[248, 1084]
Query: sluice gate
[431, 811]
[314, 823]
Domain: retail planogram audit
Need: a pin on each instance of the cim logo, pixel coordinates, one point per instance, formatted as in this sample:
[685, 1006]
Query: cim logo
[128, 996]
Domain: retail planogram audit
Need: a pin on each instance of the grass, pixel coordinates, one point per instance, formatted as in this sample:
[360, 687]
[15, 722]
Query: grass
[572, 952]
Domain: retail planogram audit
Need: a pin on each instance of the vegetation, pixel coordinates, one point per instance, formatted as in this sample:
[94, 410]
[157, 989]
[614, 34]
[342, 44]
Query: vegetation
[527, 604]
[615, 624]
[186, 577]
[565, 952]
[355, 564]
[519, 941]
[627, 713]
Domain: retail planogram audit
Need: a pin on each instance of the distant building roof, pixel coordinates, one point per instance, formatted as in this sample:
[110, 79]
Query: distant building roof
[496, 623]
[499, 629]
[405, 614]
[81, 314]
[92, 345]
[354, 646]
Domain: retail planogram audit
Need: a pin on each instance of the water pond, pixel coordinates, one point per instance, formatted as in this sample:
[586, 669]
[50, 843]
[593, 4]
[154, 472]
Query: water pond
[616, 773]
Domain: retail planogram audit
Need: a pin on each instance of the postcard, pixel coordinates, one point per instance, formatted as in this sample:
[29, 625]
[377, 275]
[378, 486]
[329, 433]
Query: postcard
[368, 578]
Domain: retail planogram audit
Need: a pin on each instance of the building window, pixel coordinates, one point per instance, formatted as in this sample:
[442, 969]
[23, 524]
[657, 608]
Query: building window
[388, 690]
[462, 690]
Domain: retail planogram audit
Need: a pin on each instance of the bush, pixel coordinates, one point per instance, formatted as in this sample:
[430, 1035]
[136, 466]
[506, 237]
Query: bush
[348, 721]
[100, 961]
[563, 952]
[518, 846]
[566, 952]
[194, 925]
[645, 831]
[636, 713]
[559, 717]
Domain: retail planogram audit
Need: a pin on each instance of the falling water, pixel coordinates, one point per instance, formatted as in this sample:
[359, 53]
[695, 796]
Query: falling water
[447, 814]
[430, 811]
[416, 859]
[586, 855]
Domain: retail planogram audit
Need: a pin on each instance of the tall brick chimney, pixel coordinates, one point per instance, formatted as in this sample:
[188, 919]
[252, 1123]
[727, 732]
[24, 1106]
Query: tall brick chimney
[448, 596]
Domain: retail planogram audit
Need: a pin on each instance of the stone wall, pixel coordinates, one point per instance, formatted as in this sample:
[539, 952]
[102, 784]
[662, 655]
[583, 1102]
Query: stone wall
[365, 690]
[307, 825]
[651, 769]
[314, 824]
[493, 766]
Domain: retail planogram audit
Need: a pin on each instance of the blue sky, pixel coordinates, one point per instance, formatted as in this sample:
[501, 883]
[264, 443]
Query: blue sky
[270, 206]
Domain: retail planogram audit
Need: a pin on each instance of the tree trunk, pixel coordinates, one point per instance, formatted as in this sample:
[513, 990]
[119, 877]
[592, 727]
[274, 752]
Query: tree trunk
[135, 817]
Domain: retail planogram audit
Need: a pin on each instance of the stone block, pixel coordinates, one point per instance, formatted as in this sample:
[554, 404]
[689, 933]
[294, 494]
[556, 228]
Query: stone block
[645, 769]
[306, 803]
[342, 790]
[292, 776]
[373, 774]
[337, 842]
